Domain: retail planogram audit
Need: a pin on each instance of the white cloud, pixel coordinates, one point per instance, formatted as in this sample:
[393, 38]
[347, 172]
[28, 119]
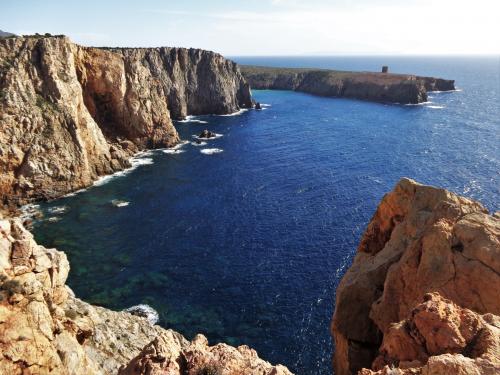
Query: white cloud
[319, 27]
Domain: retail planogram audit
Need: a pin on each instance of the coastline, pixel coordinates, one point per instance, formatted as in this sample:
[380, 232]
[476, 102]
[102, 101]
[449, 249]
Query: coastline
[370, 86]
[415, 231]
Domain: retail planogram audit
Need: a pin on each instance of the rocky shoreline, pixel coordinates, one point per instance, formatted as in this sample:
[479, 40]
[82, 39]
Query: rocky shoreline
[70, 114]
[45, 329]
[420, 298]
[378, 87]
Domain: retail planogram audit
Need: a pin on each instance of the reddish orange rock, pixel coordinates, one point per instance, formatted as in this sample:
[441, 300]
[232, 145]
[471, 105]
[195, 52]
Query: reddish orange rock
[421, 240]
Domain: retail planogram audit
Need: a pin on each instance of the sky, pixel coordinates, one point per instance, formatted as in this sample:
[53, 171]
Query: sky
[268, 27]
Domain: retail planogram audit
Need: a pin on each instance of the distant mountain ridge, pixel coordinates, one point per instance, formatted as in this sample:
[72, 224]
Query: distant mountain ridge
[5, 34]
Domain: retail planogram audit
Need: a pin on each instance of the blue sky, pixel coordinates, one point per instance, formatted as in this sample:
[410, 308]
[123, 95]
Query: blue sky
[268, 27]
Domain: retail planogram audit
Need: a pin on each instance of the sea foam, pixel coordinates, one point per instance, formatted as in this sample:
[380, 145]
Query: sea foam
[119, 203]
[211, 151]
[136, 161]
[192, 119]
[237, 113]
[58, 210]
[199, 144]
[144, 311]
[217, 135]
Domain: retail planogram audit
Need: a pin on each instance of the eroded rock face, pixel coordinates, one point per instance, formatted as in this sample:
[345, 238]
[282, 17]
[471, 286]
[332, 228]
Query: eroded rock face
[421, 240]
[439, 337]
[44, 329]
[199, 358]
[69, 114]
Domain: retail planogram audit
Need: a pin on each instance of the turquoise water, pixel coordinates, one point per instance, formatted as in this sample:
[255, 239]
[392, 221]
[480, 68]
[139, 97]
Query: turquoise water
[247, 245]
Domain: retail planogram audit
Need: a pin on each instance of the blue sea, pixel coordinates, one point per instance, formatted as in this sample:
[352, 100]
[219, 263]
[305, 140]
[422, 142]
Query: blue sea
[245, 239]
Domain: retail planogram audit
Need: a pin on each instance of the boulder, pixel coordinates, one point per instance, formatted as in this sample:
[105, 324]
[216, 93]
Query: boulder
[207, 134]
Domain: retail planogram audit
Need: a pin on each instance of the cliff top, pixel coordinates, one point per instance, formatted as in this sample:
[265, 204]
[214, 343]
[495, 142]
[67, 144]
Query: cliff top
[6, 35]
[375, 76]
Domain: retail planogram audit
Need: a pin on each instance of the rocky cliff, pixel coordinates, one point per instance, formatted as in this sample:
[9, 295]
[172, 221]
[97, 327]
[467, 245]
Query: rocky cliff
[44, 329]
[69, 114]
[421, 296]
[379, 87]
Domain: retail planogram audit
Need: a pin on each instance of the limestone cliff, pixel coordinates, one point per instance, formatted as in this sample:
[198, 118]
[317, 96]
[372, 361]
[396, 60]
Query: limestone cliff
[44, 329]
[69, 114]
[379, 87]
[422, 240]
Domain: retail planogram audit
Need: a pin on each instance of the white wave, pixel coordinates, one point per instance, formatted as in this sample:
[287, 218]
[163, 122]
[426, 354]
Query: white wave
[175, 149]
[199, 144]
[443, 92]
[144, 311]
[435, 106]
[217, 135]
[53, 219]
[136, 161]
[105, 179]
[73, 193]
[265, 105]
[193, 119]
[211, 151]
[423, 103]
[30, 211]
[172, 151]
[58, 210]
[119, 203]
[237, 113]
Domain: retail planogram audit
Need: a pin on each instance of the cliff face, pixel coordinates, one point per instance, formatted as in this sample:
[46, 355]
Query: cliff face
[45, 329]
[69, 114]
[379, 87]
[422, 240]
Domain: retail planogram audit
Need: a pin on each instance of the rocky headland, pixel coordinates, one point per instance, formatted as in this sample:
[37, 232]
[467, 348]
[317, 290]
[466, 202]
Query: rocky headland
[421, 296]
[378, 87]
[69, 114]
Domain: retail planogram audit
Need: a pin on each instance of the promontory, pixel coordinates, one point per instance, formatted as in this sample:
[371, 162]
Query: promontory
[378, 87]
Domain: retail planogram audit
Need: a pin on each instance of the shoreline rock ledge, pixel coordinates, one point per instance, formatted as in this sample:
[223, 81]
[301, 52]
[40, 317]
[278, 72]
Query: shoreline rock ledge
[422, 295]
[45, 329]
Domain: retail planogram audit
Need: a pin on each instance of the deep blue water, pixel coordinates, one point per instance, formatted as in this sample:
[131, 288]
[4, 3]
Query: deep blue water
[248, 245]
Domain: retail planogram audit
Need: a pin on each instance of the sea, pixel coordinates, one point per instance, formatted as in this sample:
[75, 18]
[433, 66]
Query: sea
[245, 237]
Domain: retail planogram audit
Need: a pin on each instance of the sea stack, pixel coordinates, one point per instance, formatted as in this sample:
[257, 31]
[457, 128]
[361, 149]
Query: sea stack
[385, 69]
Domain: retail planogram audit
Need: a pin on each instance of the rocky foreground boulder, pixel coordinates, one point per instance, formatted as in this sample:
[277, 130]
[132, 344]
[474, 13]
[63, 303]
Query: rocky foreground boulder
[440, 337]
[69, 114]
[45, 329]
[422, 295]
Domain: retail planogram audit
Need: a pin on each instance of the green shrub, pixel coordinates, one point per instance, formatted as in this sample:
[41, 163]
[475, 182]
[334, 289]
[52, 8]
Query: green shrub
[208, 369]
